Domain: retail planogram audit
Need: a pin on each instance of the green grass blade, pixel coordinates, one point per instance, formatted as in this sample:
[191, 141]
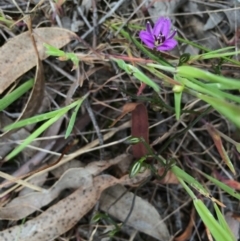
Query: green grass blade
[33, 136]
[130, 69]
[177, 89]
[192, 72]
[229, 110]
[73, 117]
[15, 94]
[38, 118]
[179, 173]
[198, 86]
[217, 230]
[223, 186]
[223, 222]
[211, 223]
[206, 50]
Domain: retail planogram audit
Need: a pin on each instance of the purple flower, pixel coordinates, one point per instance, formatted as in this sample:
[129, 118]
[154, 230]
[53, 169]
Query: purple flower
[160, 36]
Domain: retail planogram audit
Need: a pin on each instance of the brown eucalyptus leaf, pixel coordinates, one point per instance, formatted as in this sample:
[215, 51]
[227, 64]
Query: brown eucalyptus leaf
[36, 97]
[144, 217]
[17, 56]
[37, 94]
[61, 217]
[23, 206]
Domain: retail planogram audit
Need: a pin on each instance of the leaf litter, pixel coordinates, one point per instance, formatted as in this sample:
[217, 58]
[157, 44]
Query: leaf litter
[62, 216]
[117, 202]
[18, 55]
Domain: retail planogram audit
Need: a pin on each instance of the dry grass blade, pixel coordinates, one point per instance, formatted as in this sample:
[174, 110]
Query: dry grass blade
[18, 55]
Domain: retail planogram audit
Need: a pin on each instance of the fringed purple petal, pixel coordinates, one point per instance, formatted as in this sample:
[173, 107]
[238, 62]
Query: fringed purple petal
[147, 38]
[171, 35]
[158, 26]
[166, 27]
[168, 45]
[149, 28]
[162, 26]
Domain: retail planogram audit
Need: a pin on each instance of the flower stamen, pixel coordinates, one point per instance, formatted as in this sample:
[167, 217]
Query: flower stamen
[160, 39]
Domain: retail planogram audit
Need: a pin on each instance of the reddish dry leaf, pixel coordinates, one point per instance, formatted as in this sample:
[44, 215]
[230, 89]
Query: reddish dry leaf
[17, 56]
[231, 183]
[127, 108]
[139, 126]
[140, 129]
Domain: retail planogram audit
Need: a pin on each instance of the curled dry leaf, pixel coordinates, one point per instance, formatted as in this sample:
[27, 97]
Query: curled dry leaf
[18, 56]
[61, 217]
[127, 108]
[169, 177]
[144, 217]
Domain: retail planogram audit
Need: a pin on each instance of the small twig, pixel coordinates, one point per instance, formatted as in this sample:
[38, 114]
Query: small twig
[95, 25]
[175, 205]
[61, 71]
[103, 19]
[134, 12]
[79, 9]
[96, 127]
[58, 20]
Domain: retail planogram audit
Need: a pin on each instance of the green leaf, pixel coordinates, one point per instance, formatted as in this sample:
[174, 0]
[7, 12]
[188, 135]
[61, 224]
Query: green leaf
[33, 136]
[211, 223]
[230, 110]
[178, 89]
[53, 51]
[130, 69]
[223, 186]
[179, 173]
[43, 127]
[223, 222]
[15, 94]
[38, 118]
[192, 72]
[73, 117]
